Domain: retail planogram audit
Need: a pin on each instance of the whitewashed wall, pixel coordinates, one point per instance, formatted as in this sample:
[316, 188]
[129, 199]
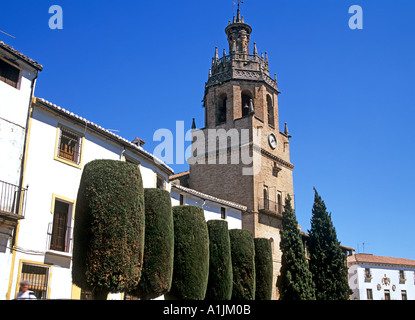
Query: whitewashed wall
[359, 285]
[14, 109]
[211, 209]
[47, 177]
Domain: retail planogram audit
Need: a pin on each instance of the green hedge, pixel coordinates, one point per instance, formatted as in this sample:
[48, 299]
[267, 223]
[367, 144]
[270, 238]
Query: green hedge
[109, 228]
[191, 254]
[159, 245]
[220, 262]
[243, 264]
[263, 269]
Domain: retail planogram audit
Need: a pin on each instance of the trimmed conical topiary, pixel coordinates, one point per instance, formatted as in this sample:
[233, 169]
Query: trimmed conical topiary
[263, 269]
[220, 262]
[159, 245]
[191, 254]
[243, 264]
[109, 228]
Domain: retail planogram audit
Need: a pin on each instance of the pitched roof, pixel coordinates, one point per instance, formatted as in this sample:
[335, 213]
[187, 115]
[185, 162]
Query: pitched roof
[21, 56]
[179, 175]
[362, 258]
[101, 130]
[210, 198]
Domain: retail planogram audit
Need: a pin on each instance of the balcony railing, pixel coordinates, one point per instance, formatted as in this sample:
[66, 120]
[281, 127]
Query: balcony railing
[59, 238]
[269, 206]
[12, 200]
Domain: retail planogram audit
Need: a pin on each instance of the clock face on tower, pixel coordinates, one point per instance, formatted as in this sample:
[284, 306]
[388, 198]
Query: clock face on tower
[272, 141]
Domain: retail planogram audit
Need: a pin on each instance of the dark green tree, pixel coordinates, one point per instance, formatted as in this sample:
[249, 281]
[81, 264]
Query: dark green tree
[191, 254]
[295, 280]
[158, 245]
[263, 269]
[220, 262]
[243, 264]
[327, 260]
[109, 228]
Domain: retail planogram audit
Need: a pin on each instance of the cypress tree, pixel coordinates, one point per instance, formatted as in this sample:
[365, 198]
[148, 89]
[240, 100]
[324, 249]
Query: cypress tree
[220, 263]
[109, 228]
[243, 264]
[263, 269]
[191, 254]
[158, 245]
[327, 260]
[295, 280]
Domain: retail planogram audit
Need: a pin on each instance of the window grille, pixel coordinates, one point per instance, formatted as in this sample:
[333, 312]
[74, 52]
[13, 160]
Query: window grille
[37, 277]
[69, 147]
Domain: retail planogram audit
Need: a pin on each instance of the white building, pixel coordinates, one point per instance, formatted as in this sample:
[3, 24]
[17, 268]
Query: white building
[214, 208]
[381, 278]
[18, 75]
[60, 143]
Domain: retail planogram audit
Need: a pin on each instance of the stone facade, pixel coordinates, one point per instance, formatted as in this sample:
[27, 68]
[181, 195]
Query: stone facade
[241, 100]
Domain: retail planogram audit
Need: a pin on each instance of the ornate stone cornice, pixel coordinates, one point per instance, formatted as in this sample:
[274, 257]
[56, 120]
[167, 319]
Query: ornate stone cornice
[239, 74]
[277, 159]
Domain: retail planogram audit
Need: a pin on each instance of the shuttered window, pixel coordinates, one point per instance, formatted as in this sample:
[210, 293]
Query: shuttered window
[38, 278]
[9, 73]
[60, 237]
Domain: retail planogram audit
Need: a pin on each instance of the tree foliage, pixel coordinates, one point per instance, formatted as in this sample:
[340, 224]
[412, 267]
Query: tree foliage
[158, 245]
[327, 260]
[191, 254]
[243, 264]
[295, 280]
[109, 228]
[220, 262]
[263, 269]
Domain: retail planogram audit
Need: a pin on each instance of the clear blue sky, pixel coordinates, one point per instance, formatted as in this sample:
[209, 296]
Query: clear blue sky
[347, 95]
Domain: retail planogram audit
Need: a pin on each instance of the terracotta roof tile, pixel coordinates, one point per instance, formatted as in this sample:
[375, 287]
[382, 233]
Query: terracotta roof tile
[21, 56]
[360, 258]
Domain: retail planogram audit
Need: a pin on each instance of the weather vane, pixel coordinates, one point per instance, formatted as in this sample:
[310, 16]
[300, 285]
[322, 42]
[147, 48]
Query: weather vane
[237, 2]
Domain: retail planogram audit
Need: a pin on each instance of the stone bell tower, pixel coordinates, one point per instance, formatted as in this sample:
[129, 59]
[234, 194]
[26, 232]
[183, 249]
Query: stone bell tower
[241, 155]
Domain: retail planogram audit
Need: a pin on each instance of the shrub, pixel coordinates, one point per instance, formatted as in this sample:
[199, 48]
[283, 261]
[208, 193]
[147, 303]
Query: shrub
[109, 228]
[158, 245]
[220, 263]
[191, 254]
[243, 264]
[263, 269]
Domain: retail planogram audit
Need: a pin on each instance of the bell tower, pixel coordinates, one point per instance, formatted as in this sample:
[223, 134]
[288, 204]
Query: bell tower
[241, 155]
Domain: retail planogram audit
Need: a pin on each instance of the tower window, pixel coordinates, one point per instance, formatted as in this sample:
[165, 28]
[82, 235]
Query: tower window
[221, 110]
[246, 101]
[270, 105]
[266, 198]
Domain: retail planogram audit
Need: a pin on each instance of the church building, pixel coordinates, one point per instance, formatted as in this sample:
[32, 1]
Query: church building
[241, 155]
